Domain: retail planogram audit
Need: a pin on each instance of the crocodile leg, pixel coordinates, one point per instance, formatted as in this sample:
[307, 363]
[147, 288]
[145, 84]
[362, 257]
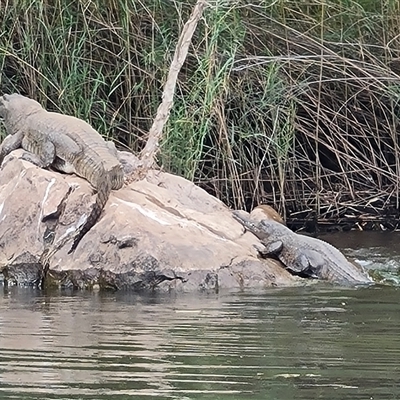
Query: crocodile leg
[10, 143]
[300, 263]
[117, 180]
[41, 153]
[272, 248]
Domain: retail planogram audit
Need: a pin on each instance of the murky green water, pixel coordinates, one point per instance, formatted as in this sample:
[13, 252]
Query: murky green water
[378, 252]
[280, 344]
[319, 342]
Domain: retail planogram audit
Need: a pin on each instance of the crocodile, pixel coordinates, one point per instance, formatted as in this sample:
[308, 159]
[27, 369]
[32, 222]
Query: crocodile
[67, 144]
[303, 255]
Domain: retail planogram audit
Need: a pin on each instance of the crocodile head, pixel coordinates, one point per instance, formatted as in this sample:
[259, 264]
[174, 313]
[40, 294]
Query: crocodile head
[14, 106]
[264, 229]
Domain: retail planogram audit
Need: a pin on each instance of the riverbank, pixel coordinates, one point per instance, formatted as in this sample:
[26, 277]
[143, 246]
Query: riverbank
[291, 104]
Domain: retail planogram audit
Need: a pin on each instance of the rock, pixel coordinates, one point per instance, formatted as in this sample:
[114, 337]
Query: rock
[265, 211]
[160, 233]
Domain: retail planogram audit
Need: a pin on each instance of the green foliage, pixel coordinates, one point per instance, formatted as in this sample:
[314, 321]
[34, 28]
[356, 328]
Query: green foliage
[288, 102]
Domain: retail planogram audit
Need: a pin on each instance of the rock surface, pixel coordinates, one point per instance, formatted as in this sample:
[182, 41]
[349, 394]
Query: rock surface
[160, 233]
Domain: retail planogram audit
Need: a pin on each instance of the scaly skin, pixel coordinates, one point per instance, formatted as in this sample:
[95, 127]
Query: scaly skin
[65, 143]
[304, 254]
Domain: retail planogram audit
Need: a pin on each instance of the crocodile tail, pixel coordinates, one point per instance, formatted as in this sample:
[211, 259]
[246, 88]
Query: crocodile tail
[103, 193]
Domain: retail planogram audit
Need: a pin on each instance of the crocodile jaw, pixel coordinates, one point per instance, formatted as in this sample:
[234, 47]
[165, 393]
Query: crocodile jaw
[248, 224]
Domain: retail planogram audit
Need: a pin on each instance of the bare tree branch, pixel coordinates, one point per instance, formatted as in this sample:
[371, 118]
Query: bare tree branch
[149, 152]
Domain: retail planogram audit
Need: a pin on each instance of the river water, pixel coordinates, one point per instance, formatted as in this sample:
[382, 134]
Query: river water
[316, 342]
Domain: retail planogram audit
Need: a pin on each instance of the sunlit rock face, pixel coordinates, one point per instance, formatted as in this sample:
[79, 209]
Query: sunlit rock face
[161, 233]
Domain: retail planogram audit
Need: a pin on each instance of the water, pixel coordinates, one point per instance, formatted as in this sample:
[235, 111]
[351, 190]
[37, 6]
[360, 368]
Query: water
[279, 344]
[318, 342]
[378, 252]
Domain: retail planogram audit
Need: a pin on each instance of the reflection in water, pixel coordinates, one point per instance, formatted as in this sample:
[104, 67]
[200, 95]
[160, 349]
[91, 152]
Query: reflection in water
[303, 343]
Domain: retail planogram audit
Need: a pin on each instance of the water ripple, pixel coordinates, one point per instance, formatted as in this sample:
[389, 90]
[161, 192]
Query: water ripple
[285, 343]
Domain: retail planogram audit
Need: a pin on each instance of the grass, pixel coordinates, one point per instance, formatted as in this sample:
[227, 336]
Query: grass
[290, 103]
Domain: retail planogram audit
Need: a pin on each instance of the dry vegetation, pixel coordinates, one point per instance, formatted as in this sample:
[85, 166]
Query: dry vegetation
[290, 103]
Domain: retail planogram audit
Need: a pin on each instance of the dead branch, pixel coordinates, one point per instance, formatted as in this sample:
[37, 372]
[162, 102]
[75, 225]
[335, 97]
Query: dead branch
[149, 152]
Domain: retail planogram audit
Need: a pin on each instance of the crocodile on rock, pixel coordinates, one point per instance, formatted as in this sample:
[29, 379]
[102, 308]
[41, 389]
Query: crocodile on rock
[303, 255]
[66, 143]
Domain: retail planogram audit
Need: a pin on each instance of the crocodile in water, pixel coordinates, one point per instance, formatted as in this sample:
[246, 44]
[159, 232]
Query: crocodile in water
[303, 255]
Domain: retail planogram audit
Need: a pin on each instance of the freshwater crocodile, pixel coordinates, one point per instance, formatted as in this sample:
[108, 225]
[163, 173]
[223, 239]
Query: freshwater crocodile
[66, 143]
[303, 255]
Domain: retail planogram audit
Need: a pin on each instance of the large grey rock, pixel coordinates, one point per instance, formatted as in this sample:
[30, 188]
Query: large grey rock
[162, 232]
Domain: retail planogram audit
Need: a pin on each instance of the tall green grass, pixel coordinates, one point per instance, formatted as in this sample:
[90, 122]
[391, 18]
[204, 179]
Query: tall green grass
[287, 102]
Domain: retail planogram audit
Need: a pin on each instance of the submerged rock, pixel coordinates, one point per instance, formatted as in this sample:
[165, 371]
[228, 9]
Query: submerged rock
[161, 233]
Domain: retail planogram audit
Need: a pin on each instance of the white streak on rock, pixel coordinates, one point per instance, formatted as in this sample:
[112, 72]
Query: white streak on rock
[146, 213]
[46, 195]
[182, 222]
